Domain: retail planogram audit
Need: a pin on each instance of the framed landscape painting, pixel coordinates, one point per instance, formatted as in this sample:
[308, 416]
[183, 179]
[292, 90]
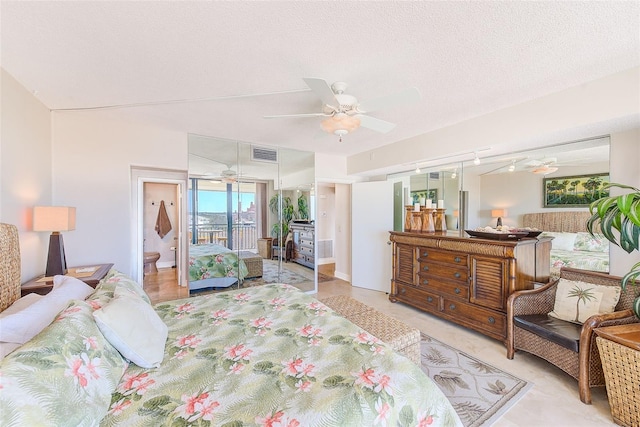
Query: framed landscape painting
[574, 191]
[426, 194]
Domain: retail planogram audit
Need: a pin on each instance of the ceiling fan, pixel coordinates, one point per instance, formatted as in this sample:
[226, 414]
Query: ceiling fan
[344, 113]
[543, 166]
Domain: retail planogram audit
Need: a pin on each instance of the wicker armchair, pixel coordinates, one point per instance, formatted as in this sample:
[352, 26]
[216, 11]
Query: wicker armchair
[582, 363]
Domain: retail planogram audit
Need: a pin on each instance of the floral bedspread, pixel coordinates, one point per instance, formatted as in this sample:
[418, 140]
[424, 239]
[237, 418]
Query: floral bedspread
[273, 356]
[210, 260]
[585, 260]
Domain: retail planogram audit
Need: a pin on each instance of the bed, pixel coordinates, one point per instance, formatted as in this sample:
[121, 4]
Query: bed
[572, 245]
[271, 356]
[214, 266]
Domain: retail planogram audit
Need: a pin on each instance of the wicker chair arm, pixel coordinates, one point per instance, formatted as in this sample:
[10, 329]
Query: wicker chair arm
[534, 301]
[609, 319]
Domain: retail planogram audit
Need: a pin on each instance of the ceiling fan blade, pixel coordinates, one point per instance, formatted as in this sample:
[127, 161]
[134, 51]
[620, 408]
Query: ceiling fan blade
[375, 124]
[296, 115]
[405, 96]
[323, 90]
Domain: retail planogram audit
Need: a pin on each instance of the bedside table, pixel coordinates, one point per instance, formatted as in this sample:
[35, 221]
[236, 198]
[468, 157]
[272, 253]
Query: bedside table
[40, 287]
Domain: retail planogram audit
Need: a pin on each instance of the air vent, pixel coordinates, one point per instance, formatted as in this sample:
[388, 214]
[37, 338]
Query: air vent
[434, 175]
[262, 154]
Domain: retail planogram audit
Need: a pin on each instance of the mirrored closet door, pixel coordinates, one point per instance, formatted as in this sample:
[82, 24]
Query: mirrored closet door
[250, 215]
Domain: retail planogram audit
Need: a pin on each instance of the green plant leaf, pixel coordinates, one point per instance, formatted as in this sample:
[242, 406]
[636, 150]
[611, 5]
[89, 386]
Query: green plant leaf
[624, 202]
[636, 307]
[634, 212]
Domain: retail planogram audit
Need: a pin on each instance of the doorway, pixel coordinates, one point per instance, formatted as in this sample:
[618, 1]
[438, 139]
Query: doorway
[153, 189]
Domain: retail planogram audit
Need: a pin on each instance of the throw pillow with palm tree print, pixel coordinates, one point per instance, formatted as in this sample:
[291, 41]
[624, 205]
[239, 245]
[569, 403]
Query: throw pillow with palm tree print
[577, 301]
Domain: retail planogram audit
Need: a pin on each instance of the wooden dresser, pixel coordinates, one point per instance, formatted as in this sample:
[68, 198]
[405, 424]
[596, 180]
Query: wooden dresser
[465, 280]
[303, 246]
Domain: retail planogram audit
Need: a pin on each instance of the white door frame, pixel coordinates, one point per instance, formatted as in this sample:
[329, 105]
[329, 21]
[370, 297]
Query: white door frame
[139, 176]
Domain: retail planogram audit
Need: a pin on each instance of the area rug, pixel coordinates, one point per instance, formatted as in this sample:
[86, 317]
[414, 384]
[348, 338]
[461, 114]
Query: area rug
[270, 275]
[480, 393]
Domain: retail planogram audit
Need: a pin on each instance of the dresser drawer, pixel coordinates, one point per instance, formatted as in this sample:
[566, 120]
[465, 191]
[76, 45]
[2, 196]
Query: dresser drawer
[305, 250]
[445, 271]
[418, 297]
[455, 258]
[433, 284]
[306, 234]
[492, 322]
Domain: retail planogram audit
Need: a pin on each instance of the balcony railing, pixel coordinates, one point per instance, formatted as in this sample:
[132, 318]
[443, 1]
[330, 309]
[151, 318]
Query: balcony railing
[245, 236]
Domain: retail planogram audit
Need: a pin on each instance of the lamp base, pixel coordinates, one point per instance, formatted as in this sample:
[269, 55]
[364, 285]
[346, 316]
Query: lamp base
[56, 261]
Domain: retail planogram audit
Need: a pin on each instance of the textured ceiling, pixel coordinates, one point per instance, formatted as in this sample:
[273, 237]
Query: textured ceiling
[466, 59]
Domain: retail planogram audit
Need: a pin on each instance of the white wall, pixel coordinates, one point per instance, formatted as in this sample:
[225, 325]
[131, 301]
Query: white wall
[343, 232]
[326, 218]
[92, 156]
[625, 169]
[25, 169]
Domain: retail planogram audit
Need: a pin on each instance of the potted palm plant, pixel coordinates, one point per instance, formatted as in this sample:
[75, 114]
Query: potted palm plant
[618, 218]
[622, 214]
[283, 209]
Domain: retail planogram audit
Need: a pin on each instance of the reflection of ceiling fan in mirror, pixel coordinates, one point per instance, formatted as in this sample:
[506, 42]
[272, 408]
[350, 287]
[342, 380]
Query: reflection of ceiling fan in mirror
[343, 113]
[543, 166]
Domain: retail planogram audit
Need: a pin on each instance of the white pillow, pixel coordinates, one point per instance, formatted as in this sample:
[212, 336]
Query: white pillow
[25, 324]
[561, 241]
[577, 301]
[21, 304]
[132, 326]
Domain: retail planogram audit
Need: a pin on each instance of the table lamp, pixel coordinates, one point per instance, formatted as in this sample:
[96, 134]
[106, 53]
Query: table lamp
[498, 213]
[55, 219]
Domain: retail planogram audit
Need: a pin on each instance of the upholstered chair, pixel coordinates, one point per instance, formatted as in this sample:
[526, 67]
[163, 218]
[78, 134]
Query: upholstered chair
[567, 345]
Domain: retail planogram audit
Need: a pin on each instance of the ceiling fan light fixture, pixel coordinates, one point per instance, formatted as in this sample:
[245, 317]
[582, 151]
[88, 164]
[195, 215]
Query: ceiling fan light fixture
[544, 170]
[512, 167]
[340, 124]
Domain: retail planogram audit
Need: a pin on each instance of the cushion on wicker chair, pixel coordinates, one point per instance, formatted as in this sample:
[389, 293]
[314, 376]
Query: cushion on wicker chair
[566, 334]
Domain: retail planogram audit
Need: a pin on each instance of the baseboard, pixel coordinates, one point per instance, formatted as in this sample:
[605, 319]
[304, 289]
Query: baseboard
[322, 261]
[164, 264]
[342, 276]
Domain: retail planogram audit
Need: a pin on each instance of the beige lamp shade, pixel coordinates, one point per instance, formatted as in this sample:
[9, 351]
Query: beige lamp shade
[54, 218]
[495, 213]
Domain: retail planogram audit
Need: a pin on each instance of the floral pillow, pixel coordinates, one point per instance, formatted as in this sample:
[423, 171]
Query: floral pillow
[105, 289]
[64, 376]
[587, 242]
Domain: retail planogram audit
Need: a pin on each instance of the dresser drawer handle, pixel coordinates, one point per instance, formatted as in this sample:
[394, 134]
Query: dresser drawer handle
[403, 291]
[452, 306]
[425, 254]
[492, 320]
[425, 281]
[429, 299]
[456, 275]
[457, 259]
[456, 290]
[425, 268]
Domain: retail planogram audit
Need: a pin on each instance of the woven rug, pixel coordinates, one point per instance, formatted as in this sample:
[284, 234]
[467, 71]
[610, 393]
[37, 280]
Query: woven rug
[480, 393]
[270, 275]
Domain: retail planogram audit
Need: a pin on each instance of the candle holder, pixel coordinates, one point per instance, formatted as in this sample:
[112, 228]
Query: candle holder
[412, 219]
[440, 224]
[427, 220]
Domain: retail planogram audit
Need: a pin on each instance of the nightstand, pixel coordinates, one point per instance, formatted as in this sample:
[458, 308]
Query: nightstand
[40, 287]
